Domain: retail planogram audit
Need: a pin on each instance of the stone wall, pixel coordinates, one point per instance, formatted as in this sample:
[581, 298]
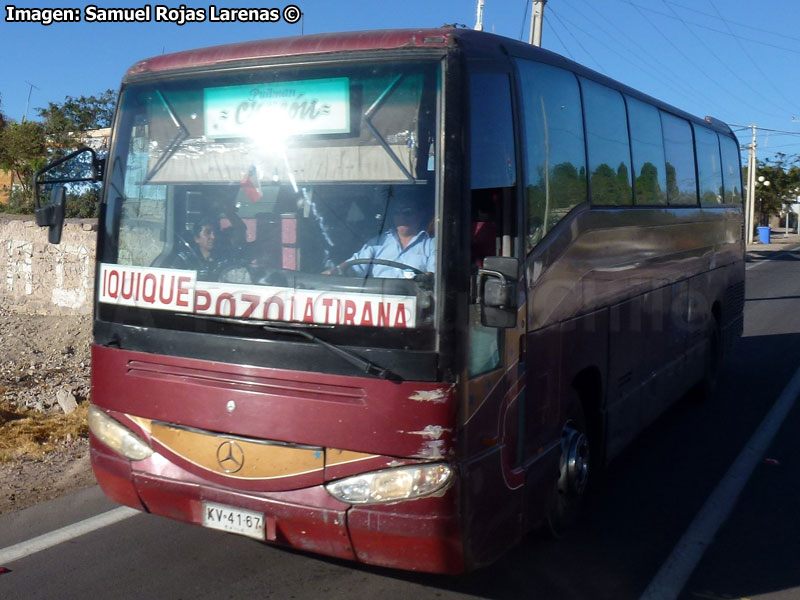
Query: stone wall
[37, 277]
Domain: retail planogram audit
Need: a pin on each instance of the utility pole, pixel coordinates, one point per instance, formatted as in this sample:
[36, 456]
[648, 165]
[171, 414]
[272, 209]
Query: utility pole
[479, 20]
[537, 17]
[751, 188]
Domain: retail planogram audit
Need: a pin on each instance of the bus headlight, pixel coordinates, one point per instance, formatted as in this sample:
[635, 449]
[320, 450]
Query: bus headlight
[116, 436]
[392, 485]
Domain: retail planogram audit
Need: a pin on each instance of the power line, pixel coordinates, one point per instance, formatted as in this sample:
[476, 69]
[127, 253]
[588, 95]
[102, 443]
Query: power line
[686, 58]
[722, 62]
[577, 41]
[602, 42]
[744, 50]
[664, 73]
[524, 20]
[558, 37]
[783, 131]
[786, 146]
[749, 26]
[700, 25]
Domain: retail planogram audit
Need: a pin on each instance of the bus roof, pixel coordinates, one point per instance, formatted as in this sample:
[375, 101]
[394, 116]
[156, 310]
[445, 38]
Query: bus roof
[476, 43]
[296, 46]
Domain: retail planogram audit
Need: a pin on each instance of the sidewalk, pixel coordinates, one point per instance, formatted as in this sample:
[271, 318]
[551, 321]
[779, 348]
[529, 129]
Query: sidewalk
[778, 243]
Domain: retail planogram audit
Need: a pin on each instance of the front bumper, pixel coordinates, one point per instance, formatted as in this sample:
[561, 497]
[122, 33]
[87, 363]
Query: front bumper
[420, 535]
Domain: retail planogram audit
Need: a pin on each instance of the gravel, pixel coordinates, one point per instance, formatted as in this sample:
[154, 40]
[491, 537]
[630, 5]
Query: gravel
[44, 373]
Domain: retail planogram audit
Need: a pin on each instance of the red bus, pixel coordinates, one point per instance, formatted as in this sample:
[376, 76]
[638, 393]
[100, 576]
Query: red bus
[394, 296]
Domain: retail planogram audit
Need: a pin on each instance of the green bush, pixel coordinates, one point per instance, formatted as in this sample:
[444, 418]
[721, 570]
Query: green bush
[83, 205]
[18, 202]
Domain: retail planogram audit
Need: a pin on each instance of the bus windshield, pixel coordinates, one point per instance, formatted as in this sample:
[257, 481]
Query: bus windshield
[292, 194]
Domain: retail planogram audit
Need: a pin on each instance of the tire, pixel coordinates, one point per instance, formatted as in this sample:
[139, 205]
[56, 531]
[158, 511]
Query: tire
[575, 467]
[704, 390]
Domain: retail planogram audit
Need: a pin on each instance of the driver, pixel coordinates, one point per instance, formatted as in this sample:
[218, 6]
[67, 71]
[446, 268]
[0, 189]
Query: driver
[200, 255]
[205, 237]
[407, 243]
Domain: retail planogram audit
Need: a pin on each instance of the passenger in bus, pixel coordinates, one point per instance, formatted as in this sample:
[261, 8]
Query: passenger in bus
[483, 240]
[231, 236]
[408, 243]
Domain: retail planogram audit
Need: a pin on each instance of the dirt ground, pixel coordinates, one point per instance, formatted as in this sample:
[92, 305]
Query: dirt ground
[44, 374]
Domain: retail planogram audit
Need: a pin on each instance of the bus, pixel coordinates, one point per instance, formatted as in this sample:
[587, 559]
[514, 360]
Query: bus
[281, 351]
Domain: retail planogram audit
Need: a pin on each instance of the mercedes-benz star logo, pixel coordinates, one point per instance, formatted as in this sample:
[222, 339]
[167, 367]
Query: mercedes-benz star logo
[230, 456]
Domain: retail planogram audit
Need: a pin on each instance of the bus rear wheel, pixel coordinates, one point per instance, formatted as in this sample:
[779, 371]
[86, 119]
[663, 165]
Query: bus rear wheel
[713, 361]
[705, 388]
[574, 470]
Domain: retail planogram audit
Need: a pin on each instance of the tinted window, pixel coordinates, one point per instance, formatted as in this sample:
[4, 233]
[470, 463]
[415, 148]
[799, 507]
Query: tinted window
[493, 168]
[555, 179]
[731, 171]
[647, 146]
[492, 133]
[607, 145]
[709, 170]
[679, 152]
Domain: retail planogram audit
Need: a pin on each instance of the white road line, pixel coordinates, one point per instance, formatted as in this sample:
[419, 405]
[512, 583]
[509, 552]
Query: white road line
[675, 572]
[762, 261]
[59, 536]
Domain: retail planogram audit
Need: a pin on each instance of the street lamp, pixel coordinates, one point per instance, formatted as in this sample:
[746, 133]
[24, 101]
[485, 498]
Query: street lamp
[788, 202]
[766, 183]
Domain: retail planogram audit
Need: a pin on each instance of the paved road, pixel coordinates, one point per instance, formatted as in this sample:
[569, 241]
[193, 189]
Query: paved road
[757, 552]
[649, 498]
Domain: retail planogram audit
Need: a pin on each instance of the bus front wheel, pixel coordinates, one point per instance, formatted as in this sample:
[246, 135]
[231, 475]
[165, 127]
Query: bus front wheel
[574, 469]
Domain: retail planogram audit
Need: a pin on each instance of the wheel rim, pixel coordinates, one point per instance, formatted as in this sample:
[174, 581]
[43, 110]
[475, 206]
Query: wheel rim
[575, 461]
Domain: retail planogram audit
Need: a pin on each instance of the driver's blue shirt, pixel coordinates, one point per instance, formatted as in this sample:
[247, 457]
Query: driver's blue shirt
[420, 254]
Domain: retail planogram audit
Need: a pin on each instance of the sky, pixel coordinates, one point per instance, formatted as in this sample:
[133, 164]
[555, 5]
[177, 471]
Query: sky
[734, 60]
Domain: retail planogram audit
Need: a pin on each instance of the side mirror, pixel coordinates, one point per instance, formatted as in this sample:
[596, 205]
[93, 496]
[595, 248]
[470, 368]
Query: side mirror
[52, 215]
[497, 291]
[81, 166]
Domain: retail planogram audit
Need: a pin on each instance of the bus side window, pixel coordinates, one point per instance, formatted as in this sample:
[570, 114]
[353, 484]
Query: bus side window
[607, 145]
[493, 173]
[679, 152]
[647, 148]
[731, 173]
[493, 162]
[484, 227]
[553, 143]
[709, 167]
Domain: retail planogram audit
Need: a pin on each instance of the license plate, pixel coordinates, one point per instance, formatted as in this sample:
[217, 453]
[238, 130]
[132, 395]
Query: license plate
[234, 520]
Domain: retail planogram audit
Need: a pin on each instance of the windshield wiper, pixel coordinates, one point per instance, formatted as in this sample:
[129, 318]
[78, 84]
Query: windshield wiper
[298, 329]
[381, 140]
[180, 137]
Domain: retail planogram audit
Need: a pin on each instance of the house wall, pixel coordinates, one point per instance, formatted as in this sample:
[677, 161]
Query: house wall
[5, 186]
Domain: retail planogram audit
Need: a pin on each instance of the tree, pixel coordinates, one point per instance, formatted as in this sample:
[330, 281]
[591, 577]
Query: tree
[22, 153]
[26, 147]
[65, 126]
[66, 123]
[648, 186]
[783, 174]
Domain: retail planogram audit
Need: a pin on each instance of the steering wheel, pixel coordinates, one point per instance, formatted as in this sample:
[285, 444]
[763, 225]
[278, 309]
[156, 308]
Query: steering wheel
[379, 261]
[235, 271]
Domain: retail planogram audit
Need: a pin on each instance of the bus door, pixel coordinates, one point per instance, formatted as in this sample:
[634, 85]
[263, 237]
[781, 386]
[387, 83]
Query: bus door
[494, 368]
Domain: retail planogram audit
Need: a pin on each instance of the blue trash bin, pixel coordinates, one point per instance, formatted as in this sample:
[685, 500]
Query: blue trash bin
[763, 235]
